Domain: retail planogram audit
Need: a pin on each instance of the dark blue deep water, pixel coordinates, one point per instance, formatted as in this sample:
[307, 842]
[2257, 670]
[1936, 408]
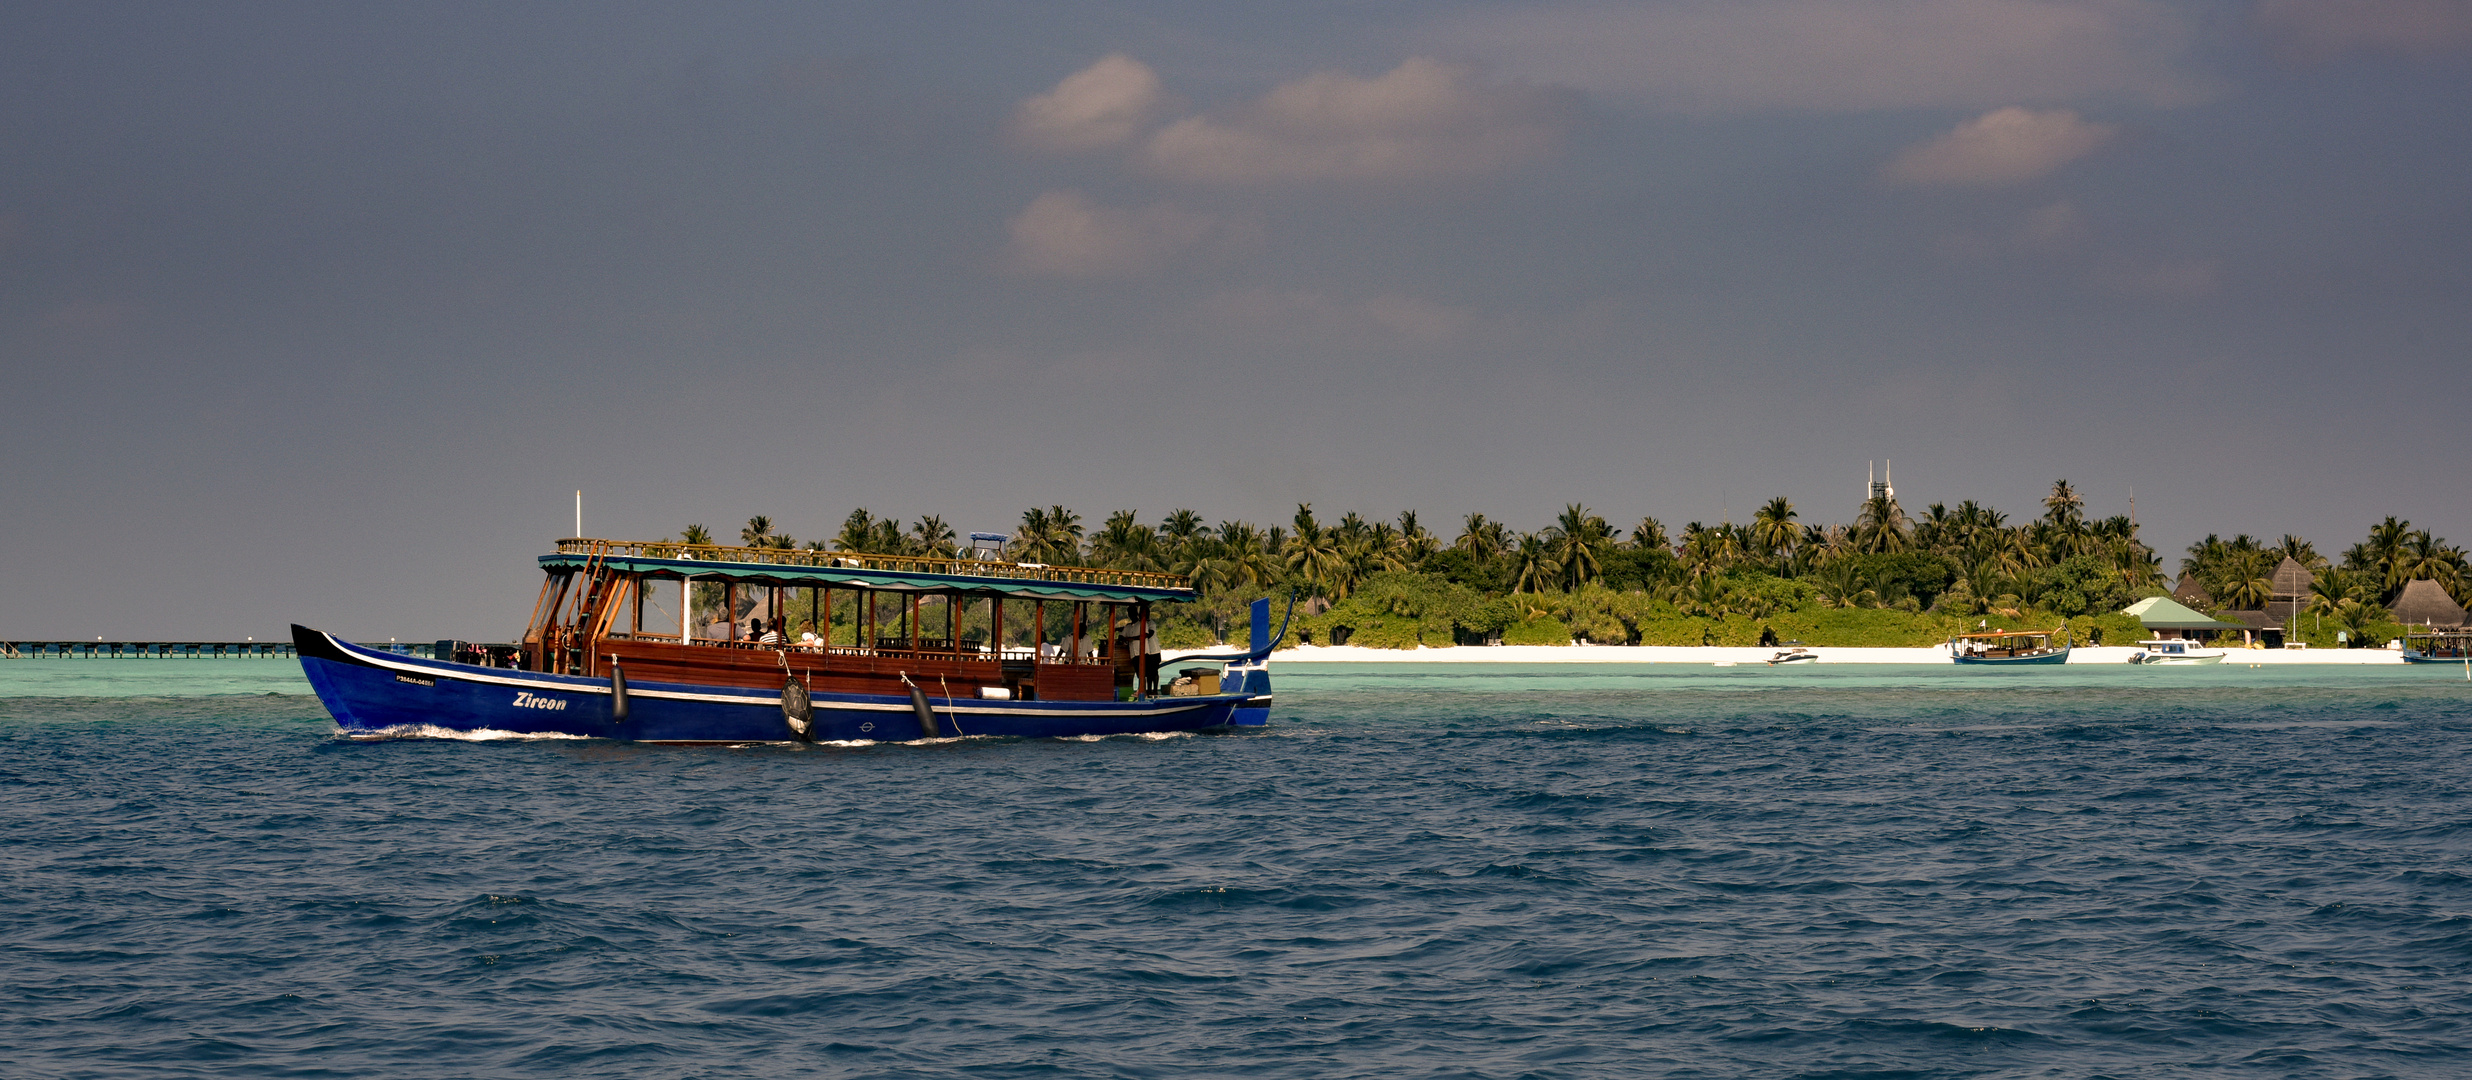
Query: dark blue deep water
[1419, 871]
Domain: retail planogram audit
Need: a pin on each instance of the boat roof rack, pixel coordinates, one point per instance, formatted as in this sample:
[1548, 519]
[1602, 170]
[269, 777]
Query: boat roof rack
[864, 570]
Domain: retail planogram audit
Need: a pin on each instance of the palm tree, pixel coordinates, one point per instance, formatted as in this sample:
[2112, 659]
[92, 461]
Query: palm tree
[1648, 535]
[2384, 549]
[696, 536]
[1415, 544]
[1180, 528]
[1841, 586]
[1052, 536]
[1881, 526]
[1481, 539]
[889, 539]
[858, 532]
[931, 536]
[1936, 530]
[1579, 539]
[1124, 543]
[2301, 551]
[2064, 505]
[1534, 562]
[758, 531]
[1773, 531]
[2357, 618]
[2330, 588]
[2247, 579]
[1312, 551]
[1708, 551]
[1247, 553]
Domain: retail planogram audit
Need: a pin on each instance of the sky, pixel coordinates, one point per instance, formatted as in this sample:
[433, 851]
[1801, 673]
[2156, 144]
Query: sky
[322, 313]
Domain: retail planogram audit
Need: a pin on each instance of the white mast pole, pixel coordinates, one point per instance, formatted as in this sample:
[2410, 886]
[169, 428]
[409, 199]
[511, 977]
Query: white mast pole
[579, 512]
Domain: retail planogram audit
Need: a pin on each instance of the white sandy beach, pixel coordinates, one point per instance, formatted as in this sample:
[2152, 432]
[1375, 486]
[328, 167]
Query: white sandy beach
[1663, 654]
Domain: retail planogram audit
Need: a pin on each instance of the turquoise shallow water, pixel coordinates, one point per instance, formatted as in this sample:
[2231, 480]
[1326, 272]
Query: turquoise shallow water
[1419, 870]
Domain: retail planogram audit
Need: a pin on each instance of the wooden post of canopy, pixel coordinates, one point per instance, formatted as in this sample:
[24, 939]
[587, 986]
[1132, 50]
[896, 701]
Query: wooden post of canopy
[914, 635]
[867, 612]
[952, 626]
[1077, 630]
[1141, 651]
[729, 608]
[995, 625]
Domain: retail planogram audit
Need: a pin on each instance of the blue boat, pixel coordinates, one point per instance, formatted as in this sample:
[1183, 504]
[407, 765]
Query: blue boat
[2009, 647]
[599, 659]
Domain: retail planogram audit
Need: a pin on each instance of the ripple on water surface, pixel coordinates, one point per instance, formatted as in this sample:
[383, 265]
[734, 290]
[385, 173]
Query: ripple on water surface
[1471, 872]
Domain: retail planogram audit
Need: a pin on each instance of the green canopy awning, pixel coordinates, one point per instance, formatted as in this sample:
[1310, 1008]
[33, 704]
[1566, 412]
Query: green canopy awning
[2163, 613]
[837, 577]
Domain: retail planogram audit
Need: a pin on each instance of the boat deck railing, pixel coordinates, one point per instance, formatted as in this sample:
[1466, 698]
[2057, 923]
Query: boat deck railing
[952, 566]
[892, 648]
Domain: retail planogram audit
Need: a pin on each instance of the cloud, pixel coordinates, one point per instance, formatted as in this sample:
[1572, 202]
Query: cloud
[1422, 120]
[1383, 319]
[2316, 30]
[2003, 146]
[2055, 226]
[2179, 279]
[1838, 55]
[1064, 234]
[1103, 105]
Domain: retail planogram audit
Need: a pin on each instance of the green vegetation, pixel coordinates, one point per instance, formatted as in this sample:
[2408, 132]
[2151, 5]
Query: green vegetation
[1884, 579]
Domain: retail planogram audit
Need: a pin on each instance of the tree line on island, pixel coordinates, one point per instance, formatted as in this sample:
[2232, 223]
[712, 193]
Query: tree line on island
[1883, 578]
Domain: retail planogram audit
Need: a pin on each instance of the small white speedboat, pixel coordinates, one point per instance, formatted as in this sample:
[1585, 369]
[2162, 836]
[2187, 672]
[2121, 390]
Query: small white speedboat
[2175, 652]
[1795, 655]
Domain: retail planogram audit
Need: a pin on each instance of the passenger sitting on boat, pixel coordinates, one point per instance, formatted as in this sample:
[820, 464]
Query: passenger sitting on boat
[806, 636]
[760, 635]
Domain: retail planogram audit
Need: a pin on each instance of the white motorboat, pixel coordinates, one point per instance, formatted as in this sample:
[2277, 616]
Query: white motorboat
[1797, 654]
[2175, 651]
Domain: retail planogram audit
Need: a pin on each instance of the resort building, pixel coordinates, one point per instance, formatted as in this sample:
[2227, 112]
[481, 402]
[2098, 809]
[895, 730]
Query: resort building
[2424, 603]
[2167, 619]
[2191, 594]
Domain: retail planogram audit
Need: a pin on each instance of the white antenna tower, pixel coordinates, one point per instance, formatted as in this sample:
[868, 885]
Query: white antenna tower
[1879, 487]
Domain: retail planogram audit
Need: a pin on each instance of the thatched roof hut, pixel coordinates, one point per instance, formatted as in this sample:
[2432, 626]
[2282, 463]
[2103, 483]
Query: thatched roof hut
[2424, 603]
[2191, 593]
[2292, 580]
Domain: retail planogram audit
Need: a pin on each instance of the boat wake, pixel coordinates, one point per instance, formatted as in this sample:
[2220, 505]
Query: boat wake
[432, 731]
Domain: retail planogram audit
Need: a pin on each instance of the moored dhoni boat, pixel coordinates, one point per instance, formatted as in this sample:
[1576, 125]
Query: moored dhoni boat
[2009, 647]
[613, 651]
[2434, 646]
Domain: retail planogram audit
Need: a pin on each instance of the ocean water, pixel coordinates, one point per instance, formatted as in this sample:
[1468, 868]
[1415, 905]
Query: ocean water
[1417, 871]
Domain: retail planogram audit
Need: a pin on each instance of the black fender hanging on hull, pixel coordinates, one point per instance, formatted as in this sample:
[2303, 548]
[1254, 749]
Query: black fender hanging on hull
[798, 710]
[617, 693]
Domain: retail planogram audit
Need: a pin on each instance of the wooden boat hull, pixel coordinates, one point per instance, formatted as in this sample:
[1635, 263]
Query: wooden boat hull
[374, 693]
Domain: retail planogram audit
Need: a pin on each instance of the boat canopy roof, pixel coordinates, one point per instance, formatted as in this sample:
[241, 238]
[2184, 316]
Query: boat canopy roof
[858, 570]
